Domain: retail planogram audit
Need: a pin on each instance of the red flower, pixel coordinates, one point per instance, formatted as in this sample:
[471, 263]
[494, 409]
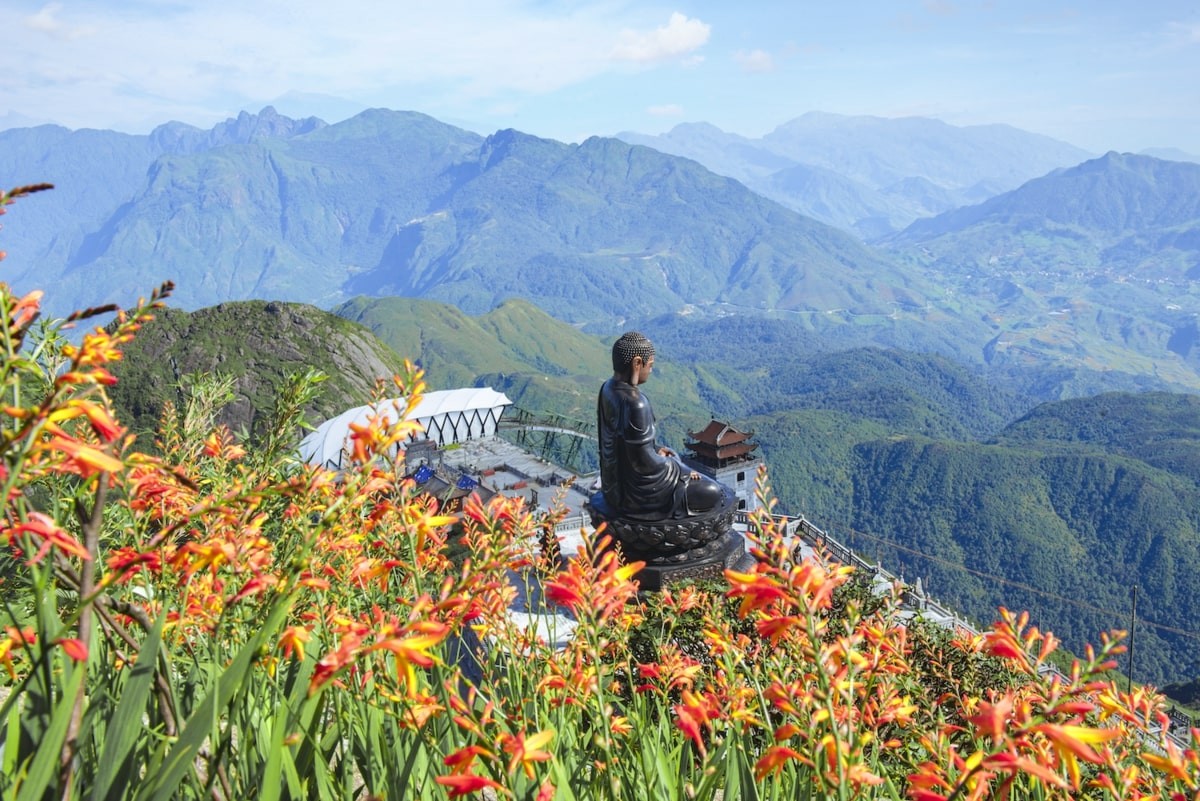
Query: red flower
[45, 529]
[465, 784]
[76, 649]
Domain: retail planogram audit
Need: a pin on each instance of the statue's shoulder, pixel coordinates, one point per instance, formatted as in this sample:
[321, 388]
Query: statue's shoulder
[621, 390]
[633, 404]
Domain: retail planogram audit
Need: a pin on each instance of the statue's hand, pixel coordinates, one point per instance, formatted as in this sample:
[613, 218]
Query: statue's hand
[695, 476]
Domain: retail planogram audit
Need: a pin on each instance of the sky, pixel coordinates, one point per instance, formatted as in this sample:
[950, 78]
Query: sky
[1099, 74]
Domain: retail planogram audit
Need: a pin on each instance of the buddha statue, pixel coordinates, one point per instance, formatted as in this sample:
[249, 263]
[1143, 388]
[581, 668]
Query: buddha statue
[641, 480]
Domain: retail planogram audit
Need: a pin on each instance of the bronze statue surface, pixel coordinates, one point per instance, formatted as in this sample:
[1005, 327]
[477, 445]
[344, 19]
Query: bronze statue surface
[641, 480]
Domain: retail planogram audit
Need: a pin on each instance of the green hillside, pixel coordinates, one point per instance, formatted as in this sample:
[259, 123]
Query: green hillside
[258, 344]
[1068, 534]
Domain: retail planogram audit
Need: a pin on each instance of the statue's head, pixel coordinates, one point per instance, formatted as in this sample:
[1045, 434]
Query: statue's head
[631, 344]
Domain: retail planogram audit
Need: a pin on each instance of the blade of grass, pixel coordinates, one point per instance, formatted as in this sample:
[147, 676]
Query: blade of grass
[44, 767]
[199, 725]
[126, 723]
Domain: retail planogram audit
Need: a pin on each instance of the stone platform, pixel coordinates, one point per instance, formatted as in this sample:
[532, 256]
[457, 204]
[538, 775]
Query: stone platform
[685, 549]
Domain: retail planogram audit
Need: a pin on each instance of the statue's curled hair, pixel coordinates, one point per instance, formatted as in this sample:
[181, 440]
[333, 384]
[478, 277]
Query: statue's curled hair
[629, 345]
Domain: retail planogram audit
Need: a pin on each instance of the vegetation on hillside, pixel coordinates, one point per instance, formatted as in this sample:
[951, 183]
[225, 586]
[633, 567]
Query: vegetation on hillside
[218, 621]
[256, 345]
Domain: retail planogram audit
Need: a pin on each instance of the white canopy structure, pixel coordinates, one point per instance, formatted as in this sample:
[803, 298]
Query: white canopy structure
[448, 417]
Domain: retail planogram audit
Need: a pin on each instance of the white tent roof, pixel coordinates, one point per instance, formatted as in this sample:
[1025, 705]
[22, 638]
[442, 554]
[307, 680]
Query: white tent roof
[325, 445]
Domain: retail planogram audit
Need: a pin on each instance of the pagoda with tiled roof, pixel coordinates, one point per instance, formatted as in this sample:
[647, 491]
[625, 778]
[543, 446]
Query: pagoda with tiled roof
[726, 454]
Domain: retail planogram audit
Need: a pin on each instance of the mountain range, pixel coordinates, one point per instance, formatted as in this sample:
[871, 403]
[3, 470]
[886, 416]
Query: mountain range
[867, 174]
[396, 203]
[1033, 282]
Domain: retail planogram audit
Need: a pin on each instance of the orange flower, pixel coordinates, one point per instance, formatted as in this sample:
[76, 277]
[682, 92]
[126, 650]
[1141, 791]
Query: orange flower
[292, 640]
[84, 460]
[696, 712]
[773, 760]
[45, 529]
[462, 759]
[525, 752]
[1072, 744]
[98, 417]
[25, 310]
[595, 583]
[410, 648]
[992, 719]
[756, 590]
[76, 649]
[219, 444]
[14, 639]
[127, 562]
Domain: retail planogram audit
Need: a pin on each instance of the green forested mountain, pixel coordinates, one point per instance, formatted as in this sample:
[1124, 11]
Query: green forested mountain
[256, 343]
[1078, 528]
[1060, 513]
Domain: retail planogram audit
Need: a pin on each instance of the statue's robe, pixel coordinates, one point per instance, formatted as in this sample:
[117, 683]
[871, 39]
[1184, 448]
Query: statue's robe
[639, 482]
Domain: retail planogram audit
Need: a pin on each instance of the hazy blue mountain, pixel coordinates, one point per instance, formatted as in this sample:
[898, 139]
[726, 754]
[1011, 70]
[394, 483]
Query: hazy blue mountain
[96, 172]
[1107, 197]
[880, 152]
[1090, 266]
[397, 203]
[891, 171]
[722, 152]
[178, 137]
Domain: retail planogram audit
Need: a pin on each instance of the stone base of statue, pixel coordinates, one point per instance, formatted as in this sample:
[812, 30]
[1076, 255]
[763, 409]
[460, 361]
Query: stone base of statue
[701, 546]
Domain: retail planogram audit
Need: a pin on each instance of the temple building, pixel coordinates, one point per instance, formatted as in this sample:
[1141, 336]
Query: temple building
[726, 454]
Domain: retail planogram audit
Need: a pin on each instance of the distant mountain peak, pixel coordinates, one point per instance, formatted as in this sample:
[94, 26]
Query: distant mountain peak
[266, 124]
[178, 137]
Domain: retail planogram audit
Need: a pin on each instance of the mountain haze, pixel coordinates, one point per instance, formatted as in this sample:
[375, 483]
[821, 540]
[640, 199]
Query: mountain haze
[867, 174]
[397, 203]
[1090, 266]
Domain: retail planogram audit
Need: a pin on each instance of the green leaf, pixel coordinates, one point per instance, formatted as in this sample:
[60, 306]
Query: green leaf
[44, 768]
[280, 760]
[126, 723]
[199, 725]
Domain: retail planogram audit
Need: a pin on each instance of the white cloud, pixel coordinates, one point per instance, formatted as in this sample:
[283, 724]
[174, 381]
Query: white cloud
[666, 110]
[46, 21]
[200, 60]
[679, 37]
[1184, 33]
[755, 60]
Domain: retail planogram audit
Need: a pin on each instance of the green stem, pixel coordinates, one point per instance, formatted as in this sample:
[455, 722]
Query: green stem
[90, 522]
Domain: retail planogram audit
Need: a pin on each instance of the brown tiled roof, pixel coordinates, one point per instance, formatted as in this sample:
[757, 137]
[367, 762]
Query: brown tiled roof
[722, 434]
